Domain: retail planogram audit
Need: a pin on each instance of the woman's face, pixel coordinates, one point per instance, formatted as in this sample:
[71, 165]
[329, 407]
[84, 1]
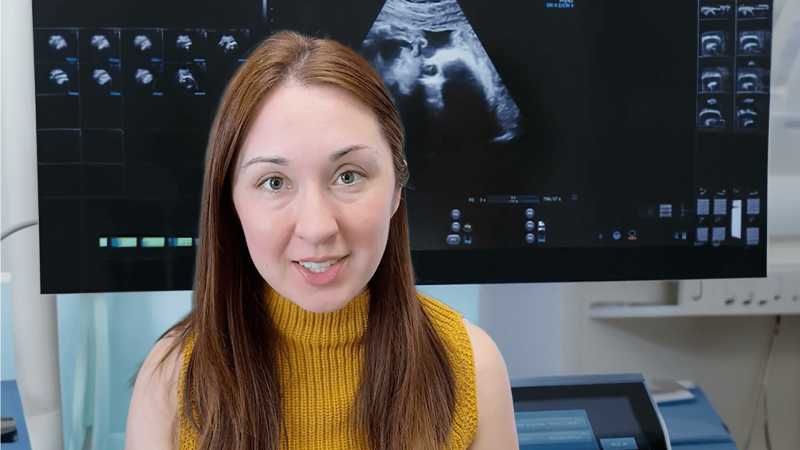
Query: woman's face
[314, 188]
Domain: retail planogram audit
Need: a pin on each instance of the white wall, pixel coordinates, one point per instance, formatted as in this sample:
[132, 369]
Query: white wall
[4, 222]
[6, 340]
[524, 320]
[544, 330]
[462, 298]
[724, 355]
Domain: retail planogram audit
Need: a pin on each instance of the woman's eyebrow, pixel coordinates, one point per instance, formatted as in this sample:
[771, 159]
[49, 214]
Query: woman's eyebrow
[335, 156]
[266, 159]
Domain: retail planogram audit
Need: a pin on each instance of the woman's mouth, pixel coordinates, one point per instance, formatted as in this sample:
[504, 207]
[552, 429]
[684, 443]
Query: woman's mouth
[319, 273]
[319, 267]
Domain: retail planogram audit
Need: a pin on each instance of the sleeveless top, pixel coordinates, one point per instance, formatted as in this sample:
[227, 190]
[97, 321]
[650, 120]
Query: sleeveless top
[318, 394]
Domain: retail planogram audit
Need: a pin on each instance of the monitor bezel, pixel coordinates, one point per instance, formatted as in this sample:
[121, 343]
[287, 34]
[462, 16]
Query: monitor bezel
[549, 265]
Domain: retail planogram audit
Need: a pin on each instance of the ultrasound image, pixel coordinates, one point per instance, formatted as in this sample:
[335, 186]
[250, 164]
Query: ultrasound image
[752, 79]
[227, 44]
[752, 112]
[747, 115]
[57, 78]
[186, 79]
[99, 45]
[714, 43]
[716, 11]
[100, 42]
[141, 46]
[61, 45]
[184, 45]
[713, 112]
[143, 77]
[100, 79]
[57, 42]
[184, 42]
[426, 45]
[715, 79]
[752, 10]
[142, 42]
[754, 42]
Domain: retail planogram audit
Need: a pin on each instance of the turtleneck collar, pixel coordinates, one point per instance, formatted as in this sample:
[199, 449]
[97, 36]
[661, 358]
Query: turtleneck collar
[343, 326]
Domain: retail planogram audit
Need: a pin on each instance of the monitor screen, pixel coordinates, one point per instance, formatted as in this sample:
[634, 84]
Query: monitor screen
[595, 423]
[592, 416]
[547, 140]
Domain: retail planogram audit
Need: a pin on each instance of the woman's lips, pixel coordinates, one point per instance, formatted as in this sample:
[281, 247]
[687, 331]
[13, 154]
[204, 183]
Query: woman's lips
[318, 279]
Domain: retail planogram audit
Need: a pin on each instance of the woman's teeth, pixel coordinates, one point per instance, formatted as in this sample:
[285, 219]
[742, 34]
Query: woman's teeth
[318, 267]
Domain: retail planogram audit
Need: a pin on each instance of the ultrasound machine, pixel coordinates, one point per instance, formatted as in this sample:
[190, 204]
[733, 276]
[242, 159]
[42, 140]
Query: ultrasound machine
[613, 412]
[591, 412]
[547, 141]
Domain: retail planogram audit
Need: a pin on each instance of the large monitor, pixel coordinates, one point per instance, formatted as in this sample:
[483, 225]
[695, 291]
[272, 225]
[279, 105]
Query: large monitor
[548, 140]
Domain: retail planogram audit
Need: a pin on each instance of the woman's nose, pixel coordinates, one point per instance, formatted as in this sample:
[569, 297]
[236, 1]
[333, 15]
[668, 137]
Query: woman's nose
[316, 219]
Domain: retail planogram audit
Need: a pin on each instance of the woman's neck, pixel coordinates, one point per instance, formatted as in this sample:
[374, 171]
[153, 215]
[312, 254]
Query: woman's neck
[295, 324]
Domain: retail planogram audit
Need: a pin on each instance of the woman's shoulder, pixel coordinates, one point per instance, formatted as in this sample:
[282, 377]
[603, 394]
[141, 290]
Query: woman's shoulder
[485, 352]
[153, 412]
[496, 422]
[446, 317]
[439, 311]
[495, 411]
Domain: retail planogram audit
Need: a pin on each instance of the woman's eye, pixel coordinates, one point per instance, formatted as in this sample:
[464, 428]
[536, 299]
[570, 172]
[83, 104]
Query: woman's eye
[273, 184]
[348, 177]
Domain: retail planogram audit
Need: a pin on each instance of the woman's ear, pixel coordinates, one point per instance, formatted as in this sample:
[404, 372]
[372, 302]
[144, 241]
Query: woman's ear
[397, 197]
[399, 193]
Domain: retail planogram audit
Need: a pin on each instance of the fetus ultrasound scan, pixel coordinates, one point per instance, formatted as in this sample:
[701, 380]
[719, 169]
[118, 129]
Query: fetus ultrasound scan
[421, 47]
[547, 140]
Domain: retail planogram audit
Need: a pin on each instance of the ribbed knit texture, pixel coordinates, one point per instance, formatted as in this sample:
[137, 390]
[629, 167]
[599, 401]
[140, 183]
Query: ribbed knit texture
[319, 390]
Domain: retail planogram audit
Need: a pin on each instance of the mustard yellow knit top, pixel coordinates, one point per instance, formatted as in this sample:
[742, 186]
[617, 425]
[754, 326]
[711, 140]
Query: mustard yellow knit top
[318, 397]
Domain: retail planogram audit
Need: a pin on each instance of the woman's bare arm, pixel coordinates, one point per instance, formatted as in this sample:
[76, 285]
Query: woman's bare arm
[153, 414]
[497, 428]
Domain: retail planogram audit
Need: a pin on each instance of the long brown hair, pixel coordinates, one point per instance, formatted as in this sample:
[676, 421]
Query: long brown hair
[406, 395]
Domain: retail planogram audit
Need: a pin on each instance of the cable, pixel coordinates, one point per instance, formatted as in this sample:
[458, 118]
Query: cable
[11, 230]
[766, 425]
[767, 440]
[763, 391]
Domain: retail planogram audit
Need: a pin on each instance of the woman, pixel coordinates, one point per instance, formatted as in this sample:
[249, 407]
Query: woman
[315, 337]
